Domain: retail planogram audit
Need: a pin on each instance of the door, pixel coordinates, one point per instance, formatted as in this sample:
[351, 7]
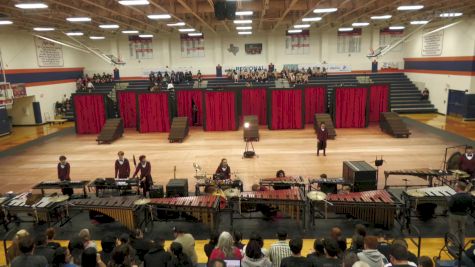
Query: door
[456, 103]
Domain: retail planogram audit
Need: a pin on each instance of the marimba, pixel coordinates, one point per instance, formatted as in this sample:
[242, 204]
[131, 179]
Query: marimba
[425, 173]
[42, 208]
[283, 182]
[289, 201]
[203, 208]
[121, 185]
[430, 195]
[56, 185]
[377, 207]
[122, 209]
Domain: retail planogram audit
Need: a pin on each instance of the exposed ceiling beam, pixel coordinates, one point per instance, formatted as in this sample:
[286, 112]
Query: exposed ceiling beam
[198, 17]
[286, 11]
[265, 6]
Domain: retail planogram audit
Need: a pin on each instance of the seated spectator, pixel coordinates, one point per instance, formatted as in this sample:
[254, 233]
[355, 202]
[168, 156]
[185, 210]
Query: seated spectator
[76, 247]
[26, 259]
[425, 261]
[336, 232]
[398, 256]
[330, 246]
[260, 240]
[14, 251]
[225, 248]
[254, 256]
[188, 243]
[370, 254]
[360, 230]
[318, 250]
[217, 263]
[357, 243]
[50, 233]
[411, 257]
[108, 245]
[85, 235]
[89, 86]
[279, 249]
[296, 259]
[42, 249]
[360, 264]
[425, 94]
[90, 258]
[157, 256]
[62, 258]
[213, 241]
[179, 258]
[237, 240]
[349, 258]
[140, 244]
[383, 245]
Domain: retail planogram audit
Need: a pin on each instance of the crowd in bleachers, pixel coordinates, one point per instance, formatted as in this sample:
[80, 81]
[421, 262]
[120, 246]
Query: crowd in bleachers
[86, 83]
[223, 248]
[97, 78]
[63, 106]
[173, 77]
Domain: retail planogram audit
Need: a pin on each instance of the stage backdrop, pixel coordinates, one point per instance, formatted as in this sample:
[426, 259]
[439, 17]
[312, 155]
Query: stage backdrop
[350, 107]
[154, 114]
[184, 101]
[378, 101]
[315, 102]
[127, 108]
[220, 111]
[90, 112]
[286, 109]
[254, 102]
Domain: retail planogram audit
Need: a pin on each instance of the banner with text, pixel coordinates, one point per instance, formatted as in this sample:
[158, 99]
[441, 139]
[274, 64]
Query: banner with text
[349, 42]
[389, 37]
[192, 46]
[140, 48]
[297, 43]
[432, 43]
[48, 54]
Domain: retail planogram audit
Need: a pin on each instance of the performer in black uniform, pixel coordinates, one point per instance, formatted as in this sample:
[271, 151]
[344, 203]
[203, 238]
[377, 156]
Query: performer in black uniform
[223, 171]
[145, 169]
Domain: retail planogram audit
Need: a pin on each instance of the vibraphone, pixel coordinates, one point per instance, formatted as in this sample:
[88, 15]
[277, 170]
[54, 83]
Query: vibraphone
[327, 185]
[283, 182]
[120, 185]
[122, 209]
[40, 207]
[377, 207]
[222, 184]
[203, 208]
[52, 185]
[425, 173]
[433, 195]
[289, 201]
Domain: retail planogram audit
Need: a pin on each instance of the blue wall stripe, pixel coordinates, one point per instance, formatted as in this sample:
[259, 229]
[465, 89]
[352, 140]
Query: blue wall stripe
[42, 76]
[440, 65]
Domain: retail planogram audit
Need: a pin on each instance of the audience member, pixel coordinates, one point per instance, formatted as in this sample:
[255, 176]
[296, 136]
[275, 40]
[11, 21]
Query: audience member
[410, 256]
[42, 249]
[85, 235]
[370, 254]
[398, 256]
[279, 249]
[349, 258]
[50, 233]
[140, 244]
[121, 257]
[76, 247]
[260, 241]
[26, 259]
[179, 258]
[237, 240]
[14, 250]
[217, 263]
[330, 246]
[90, 258]
[383, 245]
[213, 241]
[360, 229]
[425, 261]
[253, 256]
[157, 256]
[425, 94]
[296, 259]
[108, 245]
[357, 243]
[460, 204]
[188, 243]
[360, 264]
[336, 232]
[62, 258]
[225, 248]
[318, 250]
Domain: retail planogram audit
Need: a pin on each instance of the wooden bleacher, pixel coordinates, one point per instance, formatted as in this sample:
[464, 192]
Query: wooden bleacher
[179, 129]
[113, 129]
[327, 119]
[392, 124]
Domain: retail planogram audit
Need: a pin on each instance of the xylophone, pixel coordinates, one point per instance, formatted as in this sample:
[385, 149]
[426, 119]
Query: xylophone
[203, 208]
[121, 185]
[288, 201]
[43, 208]
[52, 185]
[377, 207]
[283, 182]
[122, 209]
[431, 195]
[425, 173]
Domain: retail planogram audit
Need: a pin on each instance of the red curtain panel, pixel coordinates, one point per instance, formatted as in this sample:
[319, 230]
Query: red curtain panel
[90, 113]
[154, 115]
[128, 109]
[350, 110]
[220, 111]
[286, 109]
[315, 102]
[378, 101]
[185, 98]
[254, 102]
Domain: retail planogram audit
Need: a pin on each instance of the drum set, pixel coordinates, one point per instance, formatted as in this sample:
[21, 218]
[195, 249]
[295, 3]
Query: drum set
[215, 186]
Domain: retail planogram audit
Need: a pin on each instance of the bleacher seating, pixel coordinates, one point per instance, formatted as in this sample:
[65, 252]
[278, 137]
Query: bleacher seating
[327, 119]
[105, 88]
[179, 129]
[392, 124]
[138, 85]
[113, 129]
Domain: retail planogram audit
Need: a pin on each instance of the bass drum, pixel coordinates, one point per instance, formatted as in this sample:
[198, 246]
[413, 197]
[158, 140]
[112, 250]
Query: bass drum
[453, 161]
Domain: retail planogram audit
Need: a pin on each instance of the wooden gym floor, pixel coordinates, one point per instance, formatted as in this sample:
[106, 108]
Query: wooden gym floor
[448, 123]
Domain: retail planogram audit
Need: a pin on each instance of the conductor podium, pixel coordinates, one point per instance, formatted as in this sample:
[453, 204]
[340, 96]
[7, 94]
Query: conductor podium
[325, 118]
[361, 175]
[113, 129]
[392, 124]
[179, 129]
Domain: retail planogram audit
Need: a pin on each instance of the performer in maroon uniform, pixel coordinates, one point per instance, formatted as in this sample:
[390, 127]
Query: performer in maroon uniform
[467, 162]
[145, 174]
[322, 136]
[63, 174]
[224, 170]
[122, 166]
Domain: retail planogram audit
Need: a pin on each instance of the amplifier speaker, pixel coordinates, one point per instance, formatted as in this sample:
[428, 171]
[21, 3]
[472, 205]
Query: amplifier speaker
[249, 154]
[156, 191]
[231, 10]
[177, 188]
[220, 10]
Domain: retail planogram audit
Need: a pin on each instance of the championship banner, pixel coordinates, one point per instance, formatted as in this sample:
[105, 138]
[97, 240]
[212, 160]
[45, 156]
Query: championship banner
[140, 48]
[297, 43]
[253, 49]
[349, 42]
[388, 37]
[48, 54]
[192, 46]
